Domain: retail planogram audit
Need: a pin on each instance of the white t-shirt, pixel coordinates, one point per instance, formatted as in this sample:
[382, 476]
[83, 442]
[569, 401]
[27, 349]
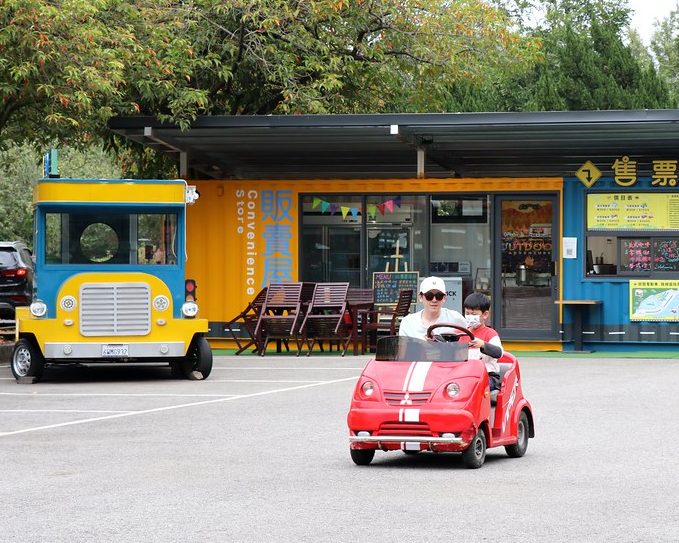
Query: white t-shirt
[412, 326]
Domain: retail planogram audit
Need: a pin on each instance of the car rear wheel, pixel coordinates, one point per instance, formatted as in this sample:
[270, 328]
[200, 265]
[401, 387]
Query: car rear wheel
[199, 358]
[362, 457]
[474, 456]
[519, 448]
[27, 360]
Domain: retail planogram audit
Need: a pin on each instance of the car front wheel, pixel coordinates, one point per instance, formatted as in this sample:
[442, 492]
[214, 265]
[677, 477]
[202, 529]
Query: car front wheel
[27, 360]
[475, 455]
[362, 457]
[518, 449]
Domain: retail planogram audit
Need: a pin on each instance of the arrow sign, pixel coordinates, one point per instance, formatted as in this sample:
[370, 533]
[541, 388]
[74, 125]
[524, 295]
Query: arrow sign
[588, 174]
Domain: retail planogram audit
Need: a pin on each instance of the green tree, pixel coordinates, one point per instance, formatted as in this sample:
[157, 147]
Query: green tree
[586, 65]
[68, 65]
[665, 48]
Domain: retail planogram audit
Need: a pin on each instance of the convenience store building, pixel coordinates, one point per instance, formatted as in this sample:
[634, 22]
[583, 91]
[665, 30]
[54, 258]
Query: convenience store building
[535, 209]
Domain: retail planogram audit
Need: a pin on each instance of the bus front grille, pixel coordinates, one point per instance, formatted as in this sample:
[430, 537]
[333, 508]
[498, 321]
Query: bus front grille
[115, 309]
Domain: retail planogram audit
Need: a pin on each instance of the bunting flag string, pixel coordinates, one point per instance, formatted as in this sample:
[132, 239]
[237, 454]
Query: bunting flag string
[372, 209]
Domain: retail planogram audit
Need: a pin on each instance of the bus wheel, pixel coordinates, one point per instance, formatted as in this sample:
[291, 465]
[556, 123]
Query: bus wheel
[27, 360]
[199, 358]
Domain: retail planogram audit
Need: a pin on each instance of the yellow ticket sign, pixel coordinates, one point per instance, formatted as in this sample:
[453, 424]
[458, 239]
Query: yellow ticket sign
[588, 174]
[633, 211]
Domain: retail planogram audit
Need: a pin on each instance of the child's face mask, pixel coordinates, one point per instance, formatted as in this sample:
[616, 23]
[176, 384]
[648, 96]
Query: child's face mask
[473, 321]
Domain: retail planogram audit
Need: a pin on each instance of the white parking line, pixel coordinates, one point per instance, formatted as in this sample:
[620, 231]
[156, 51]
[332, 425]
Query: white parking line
[114, 394]
[63, 411]
[169, 408]
[287, 368]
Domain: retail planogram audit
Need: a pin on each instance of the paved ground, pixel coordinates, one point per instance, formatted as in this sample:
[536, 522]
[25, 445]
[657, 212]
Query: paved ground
[259, 453]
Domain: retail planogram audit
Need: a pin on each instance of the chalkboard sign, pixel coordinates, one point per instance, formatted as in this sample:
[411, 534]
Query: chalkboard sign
[388, 286]
[666, 254]
[635, 255]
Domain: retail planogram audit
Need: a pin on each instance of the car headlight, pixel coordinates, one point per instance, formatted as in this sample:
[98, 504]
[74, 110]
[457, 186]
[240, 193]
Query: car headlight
[190, 309]
[452, 390]
[368, 388]
[38, 308]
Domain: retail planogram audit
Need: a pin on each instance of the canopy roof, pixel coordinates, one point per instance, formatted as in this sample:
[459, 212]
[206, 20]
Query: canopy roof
[551, 144]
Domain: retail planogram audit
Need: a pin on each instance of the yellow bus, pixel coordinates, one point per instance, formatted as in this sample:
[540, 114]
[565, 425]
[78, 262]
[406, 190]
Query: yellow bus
[111, 287]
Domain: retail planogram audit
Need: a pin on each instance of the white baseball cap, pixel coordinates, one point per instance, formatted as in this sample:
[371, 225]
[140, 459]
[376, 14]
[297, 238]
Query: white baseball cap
[432, 283]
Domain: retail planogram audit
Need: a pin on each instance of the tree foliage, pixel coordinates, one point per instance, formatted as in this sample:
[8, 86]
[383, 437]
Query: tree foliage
[68, 65]
[665, 49]
[587, 66]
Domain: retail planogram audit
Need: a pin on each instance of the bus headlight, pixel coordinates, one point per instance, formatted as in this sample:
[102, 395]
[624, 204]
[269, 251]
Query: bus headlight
[38, 308]
[190, 309]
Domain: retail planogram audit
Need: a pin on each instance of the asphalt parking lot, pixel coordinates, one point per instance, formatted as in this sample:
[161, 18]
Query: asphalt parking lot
[259, 452]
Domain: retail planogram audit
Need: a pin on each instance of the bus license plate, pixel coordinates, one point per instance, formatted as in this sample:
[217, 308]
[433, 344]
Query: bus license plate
[115, 351]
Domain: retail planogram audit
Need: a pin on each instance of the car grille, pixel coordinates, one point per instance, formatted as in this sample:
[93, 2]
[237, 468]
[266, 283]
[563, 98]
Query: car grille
[404, 428]
[406, 398]
[110, 309]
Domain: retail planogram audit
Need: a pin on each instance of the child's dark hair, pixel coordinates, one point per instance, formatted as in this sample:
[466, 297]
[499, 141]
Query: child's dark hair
[477, 300]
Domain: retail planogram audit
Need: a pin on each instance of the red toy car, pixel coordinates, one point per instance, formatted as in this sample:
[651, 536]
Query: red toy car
[419, 395]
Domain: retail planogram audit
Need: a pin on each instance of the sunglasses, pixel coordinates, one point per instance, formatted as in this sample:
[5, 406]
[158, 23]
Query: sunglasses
[429, 296]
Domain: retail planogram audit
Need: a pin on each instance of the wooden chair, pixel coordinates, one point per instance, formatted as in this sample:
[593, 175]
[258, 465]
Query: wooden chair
[358, 299]
[282, 313]
[246, 321]
[387, 319]
[324, 319]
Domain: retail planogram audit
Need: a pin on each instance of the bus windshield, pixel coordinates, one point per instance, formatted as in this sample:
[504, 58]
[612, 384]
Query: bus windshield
[109, 237]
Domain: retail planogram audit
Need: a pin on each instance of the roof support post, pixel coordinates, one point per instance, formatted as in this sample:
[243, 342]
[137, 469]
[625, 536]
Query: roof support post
[183, 164]
[421, 160]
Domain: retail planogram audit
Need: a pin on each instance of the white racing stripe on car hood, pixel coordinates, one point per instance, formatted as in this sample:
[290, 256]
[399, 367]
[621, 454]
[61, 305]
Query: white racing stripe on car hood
[418, 377]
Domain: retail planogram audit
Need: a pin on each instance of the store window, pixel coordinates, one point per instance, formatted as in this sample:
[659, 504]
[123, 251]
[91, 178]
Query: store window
[460, 245]
[348, 237]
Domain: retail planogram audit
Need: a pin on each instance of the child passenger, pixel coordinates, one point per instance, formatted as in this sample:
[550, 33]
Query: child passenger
[487, 344]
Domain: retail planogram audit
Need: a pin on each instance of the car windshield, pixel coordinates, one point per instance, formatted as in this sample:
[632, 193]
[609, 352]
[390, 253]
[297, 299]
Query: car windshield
[407, 349]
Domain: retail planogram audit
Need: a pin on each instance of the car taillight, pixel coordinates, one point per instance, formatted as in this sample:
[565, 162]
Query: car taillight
[18, 298]
[20, 272]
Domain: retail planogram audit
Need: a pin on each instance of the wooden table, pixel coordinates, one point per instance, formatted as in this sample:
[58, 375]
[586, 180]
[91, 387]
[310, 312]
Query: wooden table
[578, 306]
[354, 308]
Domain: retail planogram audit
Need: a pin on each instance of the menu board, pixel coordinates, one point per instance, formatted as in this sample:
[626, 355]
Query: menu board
[635, 255]
[657, 254]
[388, 286]
[633, 211]
[666, 254]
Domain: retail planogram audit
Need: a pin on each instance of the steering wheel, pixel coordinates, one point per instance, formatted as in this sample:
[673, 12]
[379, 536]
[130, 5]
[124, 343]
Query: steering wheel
[447, 338]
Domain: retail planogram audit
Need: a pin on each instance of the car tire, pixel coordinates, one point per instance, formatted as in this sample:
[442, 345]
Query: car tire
[199, 358]
[362, 457]
[474, 456]
[518, 449]
[27, 360]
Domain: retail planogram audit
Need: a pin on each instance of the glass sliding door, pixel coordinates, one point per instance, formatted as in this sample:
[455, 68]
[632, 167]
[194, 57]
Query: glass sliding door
[526, 234]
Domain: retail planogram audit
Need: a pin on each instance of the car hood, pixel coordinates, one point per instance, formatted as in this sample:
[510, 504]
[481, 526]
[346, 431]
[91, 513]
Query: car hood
[420, 376]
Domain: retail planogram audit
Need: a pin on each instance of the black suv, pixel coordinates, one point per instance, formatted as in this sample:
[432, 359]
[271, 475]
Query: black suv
[16, 277]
